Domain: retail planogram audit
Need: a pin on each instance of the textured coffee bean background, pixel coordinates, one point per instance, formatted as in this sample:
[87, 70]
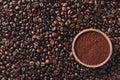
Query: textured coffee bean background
[36, 37]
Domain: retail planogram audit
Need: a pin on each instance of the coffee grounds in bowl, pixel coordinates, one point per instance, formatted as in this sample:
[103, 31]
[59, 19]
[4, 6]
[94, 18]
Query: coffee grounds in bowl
[92, 48]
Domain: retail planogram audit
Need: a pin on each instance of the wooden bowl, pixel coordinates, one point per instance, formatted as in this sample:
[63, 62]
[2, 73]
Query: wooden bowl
[87, 65]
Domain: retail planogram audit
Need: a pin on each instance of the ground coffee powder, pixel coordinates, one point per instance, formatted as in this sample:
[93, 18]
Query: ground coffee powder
[92, 48]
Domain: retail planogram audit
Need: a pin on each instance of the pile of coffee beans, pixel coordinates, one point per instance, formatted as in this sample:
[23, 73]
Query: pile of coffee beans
[36, 38]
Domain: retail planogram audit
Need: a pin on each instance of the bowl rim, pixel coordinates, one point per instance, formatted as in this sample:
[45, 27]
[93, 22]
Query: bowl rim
[87, 65]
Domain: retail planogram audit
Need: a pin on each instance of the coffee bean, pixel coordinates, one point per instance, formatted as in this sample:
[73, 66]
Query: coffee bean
[52, 42]
[42, 64]
[119, 19]
[47, 61]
